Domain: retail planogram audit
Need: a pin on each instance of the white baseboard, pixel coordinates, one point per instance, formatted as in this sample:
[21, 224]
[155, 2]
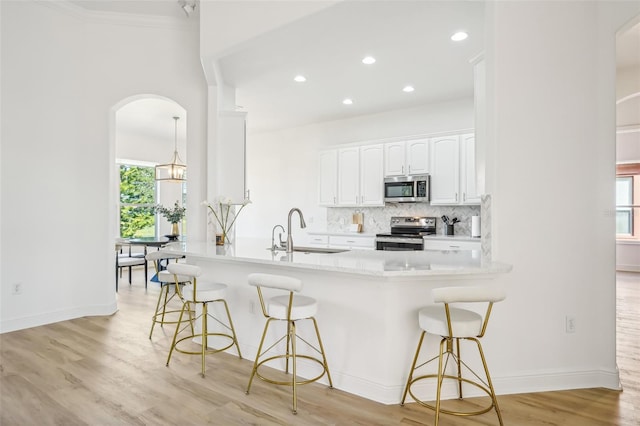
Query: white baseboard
[540, 381]
[56, 316]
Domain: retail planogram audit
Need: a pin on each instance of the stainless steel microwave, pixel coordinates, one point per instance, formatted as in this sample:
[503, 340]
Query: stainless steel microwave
[406, 189]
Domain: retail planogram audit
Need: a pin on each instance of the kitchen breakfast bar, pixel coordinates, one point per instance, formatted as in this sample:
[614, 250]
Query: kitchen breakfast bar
[368, 303]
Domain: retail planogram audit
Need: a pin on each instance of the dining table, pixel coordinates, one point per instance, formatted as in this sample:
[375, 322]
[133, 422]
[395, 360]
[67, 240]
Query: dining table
[158, 243]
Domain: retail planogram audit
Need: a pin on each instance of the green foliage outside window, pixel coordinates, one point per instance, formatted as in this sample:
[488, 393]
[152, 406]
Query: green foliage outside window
[137, 201]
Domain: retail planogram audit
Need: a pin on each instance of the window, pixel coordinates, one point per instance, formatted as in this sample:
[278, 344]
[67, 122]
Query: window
[137, 199]
[624, 203]
[628, 201]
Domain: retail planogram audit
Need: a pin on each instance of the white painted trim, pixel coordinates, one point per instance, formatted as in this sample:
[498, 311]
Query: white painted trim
[121, 18]
[56, 316]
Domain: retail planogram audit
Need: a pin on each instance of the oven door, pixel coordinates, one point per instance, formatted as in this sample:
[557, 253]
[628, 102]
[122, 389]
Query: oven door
[399, 244]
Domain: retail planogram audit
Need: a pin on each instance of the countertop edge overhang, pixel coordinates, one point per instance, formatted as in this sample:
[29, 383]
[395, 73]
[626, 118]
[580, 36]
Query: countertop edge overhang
[410, 266]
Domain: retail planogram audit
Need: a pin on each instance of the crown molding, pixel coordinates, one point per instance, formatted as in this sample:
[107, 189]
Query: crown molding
[116, 18]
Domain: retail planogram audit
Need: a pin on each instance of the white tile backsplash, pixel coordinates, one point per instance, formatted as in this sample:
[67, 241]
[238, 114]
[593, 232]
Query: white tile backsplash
[377, 219]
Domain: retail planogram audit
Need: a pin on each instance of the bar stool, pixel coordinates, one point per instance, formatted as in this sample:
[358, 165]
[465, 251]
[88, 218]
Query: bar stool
[199, 294]
[167, 286]
[454, 324]
[289, 309]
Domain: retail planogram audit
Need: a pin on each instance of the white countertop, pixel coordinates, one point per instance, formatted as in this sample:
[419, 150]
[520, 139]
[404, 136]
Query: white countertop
[363, 262]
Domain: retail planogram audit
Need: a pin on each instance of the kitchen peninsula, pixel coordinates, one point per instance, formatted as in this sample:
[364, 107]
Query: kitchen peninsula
[368, 302]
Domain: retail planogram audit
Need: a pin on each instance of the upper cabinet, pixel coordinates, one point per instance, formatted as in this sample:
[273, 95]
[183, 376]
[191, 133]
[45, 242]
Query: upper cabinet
[468, 170]
[352, 176]
[453, 175]
[406, 157]
[371, 175]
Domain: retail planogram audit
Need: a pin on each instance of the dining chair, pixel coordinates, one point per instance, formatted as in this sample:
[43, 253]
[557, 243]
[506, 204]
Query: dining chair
[128, 260]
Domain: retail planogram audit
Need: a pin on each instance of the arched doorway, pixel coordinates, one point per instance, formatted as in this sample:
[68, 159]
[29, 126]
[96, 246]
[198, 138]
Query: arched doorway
[144, 134]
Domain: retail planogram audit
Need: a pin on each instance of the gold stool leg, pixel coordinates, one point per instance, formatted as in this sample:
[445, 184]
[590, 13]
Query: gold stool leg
[413, 367]
[255, 363]
[440, 378]
[486, 371]
[458, 359]
[164, 304]
[204, 335]
[292, 335]
[155, 313]
[175, 335]
[324, 357]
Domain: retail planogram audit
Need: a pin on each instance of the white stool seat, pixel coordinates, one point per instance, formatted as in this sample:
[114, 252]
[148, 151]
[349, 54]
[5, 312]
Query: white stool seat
[303, 307]
[167, 277]
[205, 292]
[464, 323]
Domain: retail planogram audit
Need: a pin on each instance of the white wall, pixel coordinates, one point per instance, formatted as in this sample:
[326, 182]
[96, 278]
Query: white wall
[551, 112]
[62, 73]
[283, 165]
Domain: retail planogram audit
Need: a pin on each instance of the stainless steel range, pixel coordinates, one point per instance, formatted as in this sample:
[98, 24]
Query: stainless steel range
[406, 233]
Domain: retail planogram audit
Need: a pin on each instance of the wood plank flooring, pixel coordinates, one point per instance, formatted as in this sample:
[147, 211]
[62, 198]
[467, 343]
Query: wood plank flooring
[105, 371]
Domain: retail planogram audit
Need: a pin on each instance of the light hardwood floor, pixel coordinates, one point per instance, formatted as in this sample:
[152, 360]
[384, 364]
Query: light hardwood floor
[105, 371]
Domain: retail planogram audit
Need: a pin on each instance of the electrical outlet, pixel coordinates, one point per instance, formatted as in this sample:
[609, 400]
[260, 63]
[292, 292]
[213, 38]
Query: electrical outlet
[570, 324]
[17, 288]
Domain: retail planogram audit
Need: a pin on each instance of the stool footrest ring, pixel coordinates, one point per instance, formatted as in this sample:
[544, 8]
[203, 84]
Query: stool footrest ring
[442, 410]
[289, 382]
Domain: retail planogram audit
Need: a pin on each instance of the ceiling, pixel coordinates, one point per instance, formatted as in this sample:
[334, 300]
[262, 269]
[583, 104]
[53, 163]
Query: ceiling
[409, 39]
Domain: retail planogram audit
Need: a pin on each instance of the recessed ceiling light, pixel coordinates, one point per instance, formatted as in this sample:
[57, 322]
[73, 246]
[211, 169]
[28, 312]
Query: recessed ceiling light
[300, 78]
[408, 89]
[459, 36]
[368, 60]
[347, 101]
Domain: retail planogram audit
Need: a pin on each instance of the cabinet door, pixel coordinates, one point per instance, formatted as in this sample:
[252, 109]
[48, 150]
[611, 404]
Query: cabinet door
[417, 154]
[371, 175]
[394, 158]
[328, 183]
[348, 176]
[445, 170]
[468, 185]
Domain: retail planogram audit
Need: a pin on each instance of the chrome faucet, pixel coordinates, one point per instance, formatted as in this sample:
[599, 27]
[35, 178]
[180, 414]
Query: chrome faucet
[302, 225]
[281, 244]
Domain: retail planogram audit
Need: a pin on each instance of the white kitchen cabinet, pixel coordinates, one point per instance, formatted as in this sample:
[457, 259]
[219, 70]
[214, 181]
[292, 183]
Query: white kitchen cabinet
[348, 176]
[445, 170]
[328, 182]
[318, 241]
[406, 157]
[351, 242]
[451, 244]
[371, 175]
[417, 156]
[355, 241]
[468, 178]
[453, 174]
[352, 176]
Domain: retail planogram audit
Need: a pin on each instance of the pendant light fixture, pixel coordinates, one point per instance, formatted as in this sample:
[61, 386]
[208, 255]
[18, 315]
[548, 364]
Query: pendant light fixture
[175, 171]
